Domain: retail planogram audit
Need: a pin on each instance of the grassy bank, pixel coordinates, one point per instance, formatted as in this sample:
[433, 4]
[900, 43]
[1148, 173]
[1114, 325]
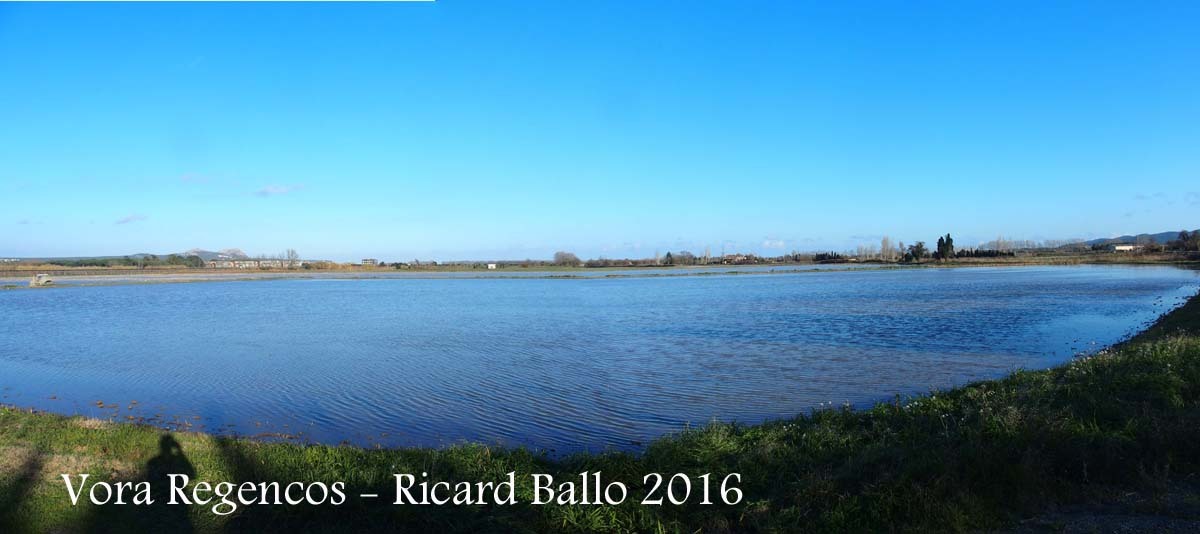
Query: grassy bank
[982, 456]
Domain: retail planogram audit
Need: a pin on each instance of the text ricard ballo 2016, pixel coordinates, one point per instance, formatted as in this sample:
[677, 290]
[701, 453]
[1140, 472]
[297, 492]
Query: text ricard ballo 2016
[587, 488]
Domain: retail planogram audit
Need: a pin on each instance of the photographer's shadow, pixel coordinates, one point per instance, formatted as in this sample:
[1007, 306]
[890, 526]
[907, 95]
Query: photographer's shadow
[159, 516]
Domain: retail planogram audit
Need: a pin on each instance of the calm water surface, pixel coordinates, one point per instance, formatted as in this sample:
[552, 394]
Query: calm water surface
[563, 365]
[22, 280]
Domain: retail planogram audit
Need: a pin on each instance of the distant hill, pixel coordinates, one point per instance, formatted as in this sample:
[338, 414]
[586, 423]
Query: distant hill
[206, 255]
[224, 254]
[1160, 238]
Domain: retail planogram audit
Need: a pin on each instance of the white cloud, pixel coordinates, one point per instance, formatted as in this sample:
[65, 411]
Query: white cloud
[274, 189]
[131, 218]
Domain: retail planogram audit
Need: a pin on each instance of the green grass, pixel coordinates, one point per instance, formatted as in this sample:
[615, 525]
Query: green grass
[976, 457]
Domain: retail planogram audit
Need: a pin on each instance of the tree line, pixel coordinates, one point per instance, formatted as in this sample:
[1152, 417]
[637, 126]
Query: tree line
[148, 260]
[888, 251]
[1186, 241]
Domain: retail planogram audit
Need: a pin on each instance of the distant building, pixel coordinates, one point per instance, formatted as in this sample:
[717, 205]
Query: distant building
[491, 266]
[1126, 248]
[370, 262]
[253, 264]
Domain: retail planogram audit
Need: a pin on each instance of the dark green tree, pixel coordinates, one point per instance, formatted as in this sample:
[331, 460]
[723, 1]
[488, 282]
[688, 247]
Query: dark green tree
[918, 251]
[945, 248]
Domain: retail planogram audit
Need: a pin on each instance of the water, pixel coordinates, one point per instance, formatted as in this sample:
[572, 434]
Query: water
[133, 276]
[561, 365]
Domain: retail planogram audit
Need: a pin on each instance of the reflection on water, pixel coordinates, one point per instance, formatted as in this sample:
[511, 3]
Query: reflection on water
[557, 364]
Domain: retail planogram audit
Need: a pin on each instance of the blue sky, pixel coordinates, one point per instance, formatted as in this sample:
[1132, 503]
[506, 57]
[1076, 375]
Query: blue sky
[511, 129]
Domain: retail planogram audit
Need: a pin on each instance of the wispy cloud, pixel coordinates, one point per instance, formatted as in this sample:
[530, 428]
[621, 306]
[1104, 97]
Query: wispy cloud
[131, 218]
[773, 243]
[1157, 197]
[23, 221]
[863, 237]
[274, 190]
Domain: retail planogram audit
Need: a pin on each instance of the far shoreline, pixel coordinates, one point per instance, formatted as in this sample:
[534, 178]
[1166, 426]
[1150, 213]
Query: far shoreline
[94, 276]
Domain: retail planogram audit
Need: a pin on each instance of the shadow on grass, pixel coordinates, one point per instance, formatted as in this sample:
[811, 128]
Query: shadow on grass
[159, 516]
[362, 472]
[286, 517]
[16, 491]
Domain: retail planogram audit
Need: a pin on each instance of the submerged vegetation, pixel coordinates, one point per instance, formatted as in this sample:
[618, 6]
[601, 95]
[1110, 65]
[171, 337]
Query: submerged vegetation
[981, 456]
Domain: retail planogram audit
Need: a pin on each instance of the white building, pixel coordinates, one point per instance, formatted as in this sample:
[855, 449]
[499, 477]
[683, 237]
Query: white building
[491, 266]
[253, 264]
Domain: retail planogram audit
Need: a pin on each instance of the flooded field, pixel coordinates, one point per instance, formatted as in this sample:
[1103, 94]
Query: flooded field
[558, 364]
